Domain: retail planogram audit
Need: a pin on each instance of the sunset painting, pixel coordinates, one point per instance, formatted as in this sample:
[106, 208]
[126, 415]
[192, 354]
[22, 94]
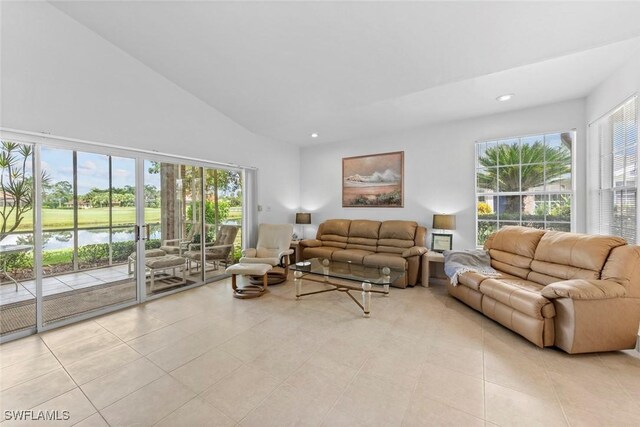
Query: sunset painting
[373, 181]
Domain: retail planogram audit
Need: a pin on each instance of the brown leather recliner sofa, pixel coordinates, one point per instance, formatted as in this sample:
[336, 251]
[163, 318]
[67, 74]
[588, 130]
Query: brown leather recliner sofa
[394, 244]
[575, 291]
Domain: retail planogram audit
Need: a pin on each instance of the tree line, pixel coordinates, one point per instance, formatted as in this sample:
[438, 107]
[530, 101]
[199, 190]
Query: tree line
[60, 195]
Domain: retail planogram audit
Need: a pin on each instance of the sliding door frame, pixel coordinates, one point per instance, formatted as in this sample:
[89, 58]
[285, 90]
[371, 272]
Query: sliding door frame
[39, 140]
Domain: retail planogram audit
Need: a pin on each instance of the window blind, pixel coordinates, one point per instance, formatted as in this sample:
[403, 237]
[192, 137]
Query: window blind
[614, 210]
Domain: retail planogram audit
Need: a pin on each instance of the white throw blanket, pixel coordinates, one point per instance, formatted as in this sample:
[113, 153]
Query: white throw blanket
[460, 262]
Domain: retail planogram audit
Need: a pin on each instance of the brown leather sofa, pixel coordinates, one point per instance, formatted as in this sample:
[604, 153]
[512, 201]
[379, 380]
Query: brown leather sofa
[394, 244]
[575, 291]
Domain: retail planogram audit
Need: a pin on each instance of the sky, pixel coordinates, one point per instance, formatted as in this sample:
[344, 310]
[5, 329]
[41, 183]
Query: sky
[93, 170]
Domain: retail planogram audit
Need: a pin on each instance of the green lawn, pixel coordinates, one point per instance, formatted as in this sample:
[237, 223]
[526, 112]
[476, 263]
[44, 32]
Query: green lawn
[93, 217]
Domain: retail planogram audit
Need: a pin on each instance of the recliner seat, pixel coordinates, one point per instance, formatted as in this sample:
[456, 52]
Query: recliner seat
[394, 244]
[575, 291]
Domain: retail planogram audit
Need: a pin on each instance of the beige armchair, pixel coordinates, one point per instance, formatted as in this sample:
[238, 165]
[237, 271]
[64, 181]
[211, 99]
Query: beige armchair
[273, 248]
[214, 252]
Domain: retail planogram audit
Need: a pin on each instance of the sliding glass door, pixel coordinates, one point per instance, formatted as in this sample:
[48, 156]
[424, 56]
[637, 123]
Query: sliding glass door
[88, 223]
[86, 230]
[17, 274]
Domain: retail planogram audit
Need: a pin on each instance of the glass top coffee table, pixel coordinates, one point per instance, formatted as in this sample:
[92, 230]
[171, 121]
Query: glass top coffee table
[343, 276]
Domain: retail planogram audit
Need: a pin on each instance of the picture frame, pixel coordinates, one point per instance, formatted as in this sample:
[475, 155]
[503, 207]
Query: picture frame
[441, 242]
[373, 180]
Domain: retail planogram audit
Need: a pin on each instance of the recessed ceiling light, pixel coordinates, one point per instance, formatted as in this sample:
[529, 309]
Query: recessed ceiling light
[314, 135]
[505, 97]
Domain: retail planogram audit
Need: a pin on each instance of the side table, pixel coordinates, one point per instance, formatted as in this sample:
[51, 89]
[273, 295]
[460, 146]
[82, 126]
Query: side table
[293, 258]
[436, 258]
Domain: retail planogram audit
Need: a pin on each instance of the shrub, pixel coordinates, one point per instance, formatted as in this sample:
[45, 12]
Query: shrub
[18, 261]
[94, 253]
[152, 244]
[120, 251]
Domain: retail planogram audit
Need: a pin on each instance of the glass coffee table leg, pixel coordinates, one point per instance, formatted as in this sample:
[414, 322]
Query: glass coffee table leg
[366, 298]
[298, 281]
[386, 271]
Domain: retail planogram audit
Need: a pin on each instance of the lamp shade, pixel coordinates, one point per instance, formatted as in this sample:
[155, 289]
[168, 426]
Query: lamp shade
[303, 218]
[444, 222]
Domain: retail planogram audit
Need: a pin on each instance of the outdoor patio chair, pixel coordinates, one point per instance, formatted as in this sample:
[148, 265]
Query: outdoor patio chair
[273, 248]
[178, 246]
[215, 252]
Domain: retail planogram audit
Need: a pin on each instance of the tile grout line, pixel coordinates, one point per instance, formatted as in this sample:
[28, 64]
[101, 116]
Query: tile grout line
[555, 392]
[484, 374]
[77, 385]
[615, 377]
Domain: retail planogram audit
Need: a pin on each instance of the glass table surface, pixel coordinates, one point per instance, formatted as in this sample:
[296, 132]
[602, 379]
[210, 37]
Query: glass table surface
[348, 271]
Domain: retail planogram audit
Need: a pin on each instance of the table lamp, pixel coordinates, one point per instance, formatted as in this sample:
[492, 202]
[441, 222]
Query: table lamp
[303, 218]
[442, 242]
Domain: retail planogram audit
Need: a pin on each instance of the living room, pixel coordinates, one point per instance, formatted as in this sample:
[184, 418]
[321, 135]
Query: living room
[262, 103]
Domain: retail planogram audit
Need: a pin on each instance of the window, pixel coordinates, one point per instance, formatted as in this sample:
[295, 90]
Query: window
[524, 181]
[616, 201]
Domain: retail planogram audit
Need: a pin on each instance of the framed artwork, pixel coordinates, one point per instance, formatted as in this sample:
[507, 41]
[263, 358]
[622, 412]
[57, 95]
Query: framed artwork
[375, 180]
[441, 242]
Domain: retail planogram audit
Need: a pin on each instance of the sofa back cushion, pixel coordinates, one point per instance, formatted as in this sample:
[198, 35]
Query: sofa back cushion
[512, 249]
[563, 256]
[396, 236]
[363, 234]
[334, 233]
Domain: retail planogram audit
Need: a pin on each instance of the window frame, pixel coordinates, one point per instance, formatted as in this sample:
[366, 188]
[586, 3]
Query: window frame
[600, 126]
[570, 191]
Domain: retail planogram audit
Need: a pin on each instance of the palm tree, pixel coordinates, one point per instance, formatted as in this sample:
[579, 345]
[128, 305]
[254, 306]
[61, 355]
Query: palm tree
[16, 185]
[523, 167]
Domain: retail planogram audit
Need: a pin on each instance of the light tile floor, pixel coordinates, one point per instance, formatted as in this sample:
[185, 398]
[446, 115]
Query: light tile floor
[201, 357]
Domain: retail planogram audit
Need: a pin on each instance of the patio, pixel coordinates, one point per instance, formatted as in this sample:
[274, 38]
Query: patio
[72, 294]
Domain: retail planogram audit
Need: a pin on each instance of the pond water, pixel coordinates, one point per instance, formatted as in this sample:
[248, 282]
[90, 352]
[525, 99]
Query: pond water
[64, 240]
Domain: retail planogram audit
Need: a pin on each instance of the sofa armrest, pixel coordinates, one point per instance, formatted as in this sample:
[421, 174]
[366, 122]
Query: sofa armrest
[581, 289]
[249, 252]
[414, 251]
[285, 253]
[311, 243]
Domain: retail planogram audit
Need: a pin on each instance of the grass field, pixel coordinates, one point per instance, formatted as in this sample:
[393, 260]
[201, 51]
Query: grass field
[63, 218]
[95, 217]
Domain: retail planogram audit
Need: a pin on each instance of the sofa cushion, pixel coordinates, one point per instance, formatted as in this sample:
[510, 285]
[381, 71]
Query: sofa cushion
[584, 251]
[547, 272]
[318, 252]
[334, 240]
[515, 260]
[350, 255]
[363, 243]
[516, 240]
[364, 228]
[472, 280]
[394, 261]
[402, 230]
[521, 295]
[338, 227]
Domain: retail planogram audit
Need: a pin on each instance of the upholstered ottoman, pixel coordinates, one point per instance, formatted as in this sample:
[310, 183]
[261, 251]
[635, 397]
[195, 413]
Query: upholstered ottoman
[149, 253]
[163, 263]
[249, 269]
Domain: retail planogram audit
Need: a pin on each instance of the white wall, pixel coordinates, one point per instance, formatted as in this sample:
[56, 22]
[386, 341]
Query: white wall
[439, 167]
[614, 90]
[61, 78]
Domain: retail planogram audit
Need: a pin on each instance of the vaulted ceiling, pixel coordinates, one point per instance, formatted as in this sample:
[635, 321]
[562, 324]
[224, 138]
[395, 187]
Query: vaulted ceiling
[354, 69]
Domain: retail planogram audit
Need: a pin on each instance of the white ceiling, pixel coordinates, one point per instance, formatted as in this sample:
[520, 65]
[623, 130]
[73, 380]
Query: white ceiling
[356, 69]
